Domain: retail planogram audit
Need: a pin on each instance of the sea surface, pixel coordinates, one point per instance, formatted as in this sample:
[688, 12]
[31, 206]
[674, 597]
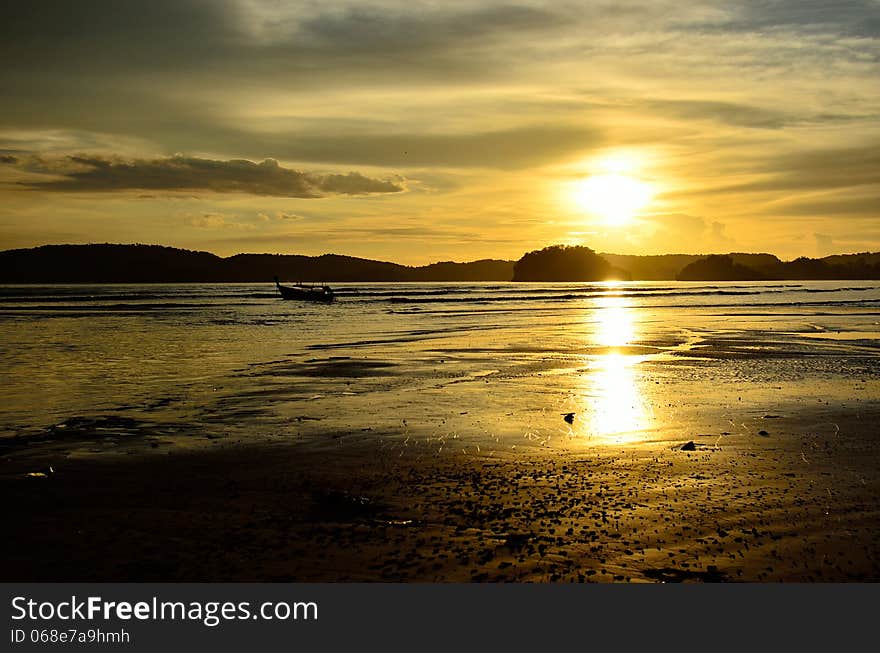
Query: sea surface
[468, 365]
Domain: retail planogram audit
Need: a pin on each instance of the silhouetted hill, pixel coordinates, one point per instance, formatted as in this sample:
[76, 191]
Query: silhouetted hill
[667, 266]
[328, 267]
[754, 261]
[482, 270]
[650, 268]
[839, 266]
[564, 263]
[743, 267]
[157, 264]
[718, 268]
[107, 263]
[333, 267]
[860, 259]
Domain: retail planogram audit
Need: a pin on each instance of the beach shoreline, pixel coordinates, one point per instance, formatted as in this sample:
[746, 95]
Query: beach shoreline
[641, 434]
[798, 504]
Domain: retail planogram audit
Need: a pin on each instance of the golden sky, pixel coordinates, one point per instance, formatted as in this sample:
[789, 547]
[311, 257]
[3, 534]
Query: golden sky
[421, 131]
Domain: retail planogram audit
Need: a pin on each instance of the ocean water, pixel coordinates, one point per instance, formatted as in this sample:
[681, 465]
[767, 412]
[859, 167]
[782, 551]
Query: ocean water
[463, 364]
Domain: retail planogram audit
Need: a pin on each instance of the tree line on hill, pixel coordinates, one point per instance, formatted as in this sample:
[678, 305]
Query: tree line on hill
[727, 268]
[578, 263]
[108, 263]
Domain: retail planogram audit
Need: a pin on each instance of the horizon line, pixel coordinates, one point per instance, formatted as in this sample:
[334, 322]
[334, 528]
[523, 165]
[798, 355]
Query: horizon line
[362, 258]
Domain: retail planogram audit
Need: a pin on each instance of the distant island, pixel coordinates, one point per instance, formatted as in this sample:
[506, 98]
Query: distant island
[565, 263]
[112, 263]
[717, 267]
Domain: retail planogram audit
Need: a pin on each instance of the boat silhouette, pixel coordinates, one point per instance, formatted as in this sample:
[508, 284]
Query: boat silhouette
[311, 293]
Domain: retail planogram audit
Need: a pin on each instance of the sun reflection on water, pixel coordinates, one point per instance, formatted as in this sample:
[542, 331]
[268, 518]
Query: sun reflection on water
[615, 325]
[614, 399]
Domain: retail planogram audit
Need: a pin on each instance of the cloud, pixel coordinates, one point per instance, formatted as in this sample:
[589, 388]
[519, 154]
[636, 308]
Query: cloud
[824, 168]
[354, 183]
[378, 31]
[509, 148]
[322, 142]
[731, 113]
[680, 232]
[254, 35]
[215, 221]
[841, 204]
[806, 170]
[96, 68]
[843, 17]
[824, 243]
[179, 173]
[718, 231]
[59, 142]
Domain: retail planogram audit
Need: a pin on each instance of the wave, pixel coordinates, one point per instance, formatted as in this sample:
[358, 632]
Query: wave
[403, 299]
[159, 306]
[68, 300]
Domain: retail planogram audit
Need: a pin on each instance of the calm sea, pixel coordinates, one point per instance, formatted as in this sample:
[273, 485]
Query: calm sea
[235, 360]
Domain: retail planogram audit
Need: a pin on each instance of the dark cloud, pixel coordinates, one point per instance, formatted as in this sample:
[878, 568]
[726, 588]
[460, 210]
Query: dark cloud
[741, 115]
[106, 35]
[8, 158]
[178, 127]
[820, 170]
[510, 148]
[231, 39]
[382, 31]
[152, 69]
[354, 183]
[851, 206]
[844, 17]
[807, 170]
[268, 178]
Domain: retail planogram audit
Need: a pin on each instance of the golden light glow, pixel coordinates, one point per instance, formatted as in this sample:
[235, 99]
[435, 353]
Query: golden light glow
[614, 193]
[617, 406]
[615, 198]
[619, 163]
[615, 327]
[614, 400]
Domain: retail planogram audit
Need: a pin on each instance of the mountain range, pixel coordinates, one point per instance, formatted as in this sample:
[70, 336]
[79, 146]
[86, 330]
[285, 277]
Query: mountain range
[113, 263]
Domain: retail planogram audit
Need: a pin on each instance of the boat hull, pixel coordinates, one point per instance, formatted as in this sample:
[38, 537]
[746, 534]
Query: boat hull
[323, 294]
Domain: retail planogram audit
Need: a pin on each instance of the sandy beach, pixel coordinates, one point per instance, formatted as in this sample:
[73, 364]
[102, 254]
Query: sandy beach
[601, 443]
[799, 504]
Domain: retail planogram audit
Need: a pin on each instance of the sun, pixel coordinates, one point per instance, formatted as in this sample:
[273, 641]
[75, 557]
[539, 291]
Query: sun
[615, 194]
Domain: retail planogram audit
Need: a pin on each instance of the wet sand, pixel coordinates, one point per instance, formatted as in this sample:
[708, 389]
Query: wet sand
[594, 440]
[796, 503]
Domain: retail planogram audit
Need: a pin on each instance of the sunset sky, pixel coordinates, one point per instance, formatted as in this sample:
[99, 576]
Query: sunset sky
[421, 131]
